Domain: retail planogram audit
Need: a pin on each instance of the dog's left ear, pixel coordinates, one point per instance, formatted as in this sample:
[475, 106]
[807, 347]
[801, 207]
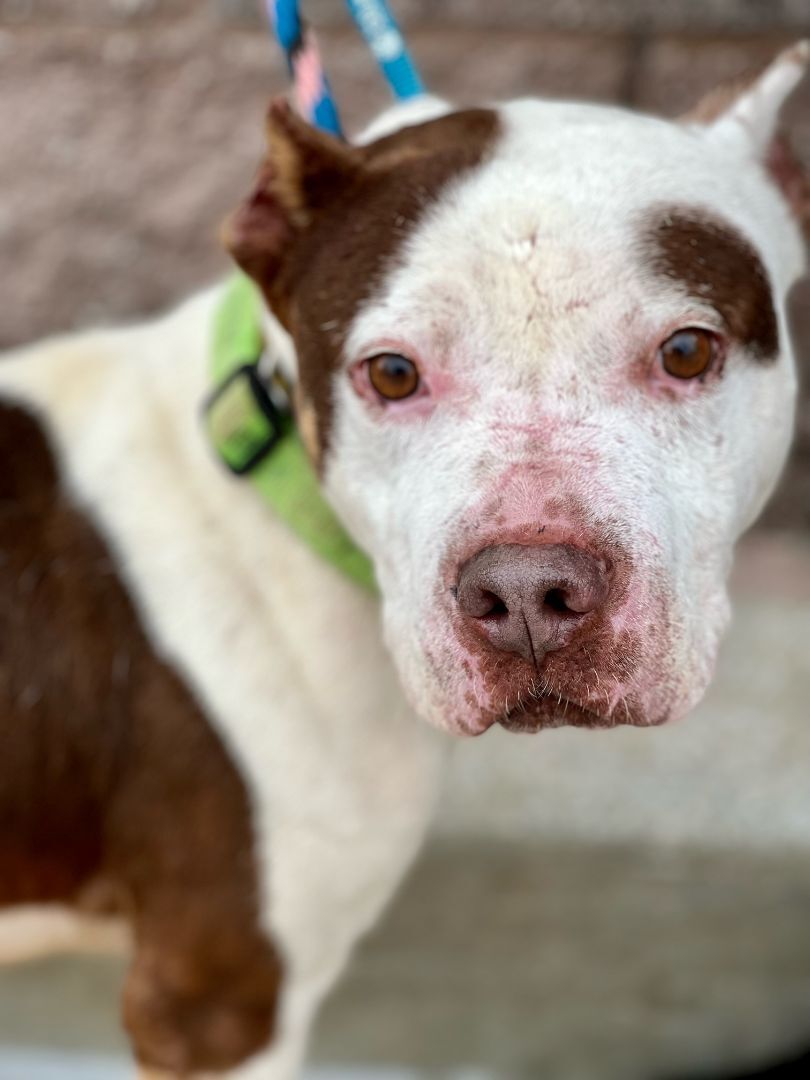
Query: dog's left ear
[747, 112]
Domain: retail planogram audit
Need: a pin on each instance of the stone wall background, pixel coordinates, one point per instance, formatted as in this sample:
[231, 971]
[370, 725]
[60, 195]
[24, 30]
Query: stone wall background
[128, 128]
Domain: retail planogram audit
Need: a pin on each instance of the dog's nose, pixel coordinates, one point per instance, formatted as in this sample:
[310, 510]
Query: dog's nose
[530, 600]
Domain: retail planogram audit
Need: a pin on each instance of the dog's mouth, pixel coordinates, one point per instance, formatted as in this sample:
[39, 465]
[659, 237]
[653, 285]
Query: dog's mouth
[548, 710]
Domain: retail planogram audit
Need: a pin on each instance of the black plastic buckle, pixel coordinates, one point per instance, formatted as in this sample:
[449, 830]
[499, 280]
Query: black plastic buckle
[243, 421]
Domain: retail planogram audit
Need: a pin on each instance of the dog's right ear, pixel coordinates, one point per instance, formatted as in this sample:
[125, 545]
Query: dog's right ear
[305, 170]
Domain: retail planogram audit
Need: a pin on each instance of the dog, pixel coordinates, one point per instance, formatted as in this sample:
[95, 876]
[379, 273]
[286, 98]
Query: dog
[539, 364]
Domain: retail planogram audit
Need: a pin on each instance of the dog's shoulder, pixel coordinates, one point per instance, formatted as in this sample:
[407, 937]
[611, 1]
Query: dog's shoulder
[88, 707]
[64, 633]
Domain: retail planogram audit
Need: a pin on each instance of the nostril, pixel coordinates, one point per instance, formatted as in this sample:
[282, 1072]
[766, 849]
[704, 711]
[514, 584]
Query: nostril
[494, 607]
[557, 601]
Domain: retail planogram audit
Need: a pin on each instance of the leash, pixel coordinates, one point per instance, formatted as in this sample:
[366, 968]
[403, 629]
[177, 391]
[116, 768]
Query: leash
[248, 415]
[379, 27]
[313, 94]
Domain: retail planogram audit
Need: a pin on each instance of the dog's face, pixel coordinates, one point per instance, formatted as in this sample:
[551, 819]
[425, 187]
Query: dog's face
[544, 371]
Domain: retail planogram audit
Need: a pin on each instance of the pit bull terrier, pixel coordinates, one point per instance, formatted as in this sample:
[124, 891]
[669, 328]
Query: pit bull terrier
[540, 365]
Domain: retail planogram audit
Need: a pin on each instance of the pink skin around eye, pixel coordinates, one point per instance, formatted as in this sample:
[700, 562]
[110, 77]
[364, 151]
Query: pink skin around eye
[431, 387]
[648, 370]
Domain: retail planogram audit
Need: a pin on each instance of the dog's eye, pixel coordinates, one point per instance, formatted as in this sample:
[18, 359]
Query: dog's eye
[393, 376]
[688, 353]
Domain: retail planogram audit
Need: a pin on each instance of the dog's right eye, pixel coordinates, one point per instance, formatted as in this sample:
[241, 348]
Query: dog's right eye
[393, 376]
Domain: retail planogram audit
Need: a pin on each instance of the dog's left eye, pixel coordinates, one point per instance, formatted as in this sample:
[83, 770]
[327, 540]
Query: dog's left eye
[393, 376]
[688, 353]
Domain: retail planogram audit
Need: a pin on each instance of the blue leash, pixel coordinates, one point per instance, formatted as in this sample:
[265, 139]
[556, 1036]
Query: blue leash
[313, 93]
[379, 27]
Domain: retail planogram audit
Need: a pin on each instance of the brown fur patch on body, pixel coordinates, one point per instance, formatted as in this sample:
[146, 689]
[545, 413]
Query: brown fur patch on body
[326, 222]
[112, 780]
[716, 265]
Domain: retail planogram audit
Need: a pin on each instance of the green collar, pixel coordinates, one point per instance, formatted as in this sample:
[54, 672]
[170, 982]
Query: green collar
[257, 438]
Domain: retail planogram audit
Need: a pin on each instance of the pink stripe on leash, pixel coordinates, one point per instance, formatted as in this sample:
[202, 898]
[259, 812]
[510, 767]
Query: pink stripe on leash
[309, 76]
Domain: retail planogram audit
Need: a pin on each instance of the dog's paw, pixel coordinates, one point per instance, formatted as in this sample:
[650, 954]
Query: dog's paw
[191, 1012]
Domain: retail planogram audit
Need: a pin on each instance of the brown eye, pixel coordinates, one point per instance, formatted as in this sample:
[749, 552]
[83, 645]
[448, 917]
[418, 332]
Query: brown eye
[393, 376]
[688, 353]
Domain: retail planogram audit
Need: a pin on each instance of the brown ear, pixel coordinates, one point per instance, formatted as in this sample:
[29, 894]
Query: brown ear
[792, 176]
[747, 110]
[304, 171]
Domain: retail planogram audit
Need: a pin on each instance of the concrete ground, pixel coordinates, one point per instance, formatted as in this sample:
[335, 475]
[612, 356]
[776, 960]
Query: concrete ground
[625, 905]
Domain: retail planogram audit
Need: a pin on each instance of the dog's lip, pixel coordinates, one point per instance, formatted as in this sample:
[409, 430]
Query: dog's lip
[547, 710]
[480, 725]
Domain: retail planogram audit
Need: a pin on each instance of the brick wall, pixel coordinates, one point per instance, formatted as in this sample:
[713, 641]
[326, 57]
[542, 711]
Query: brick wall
[691, 16]
[128, 128]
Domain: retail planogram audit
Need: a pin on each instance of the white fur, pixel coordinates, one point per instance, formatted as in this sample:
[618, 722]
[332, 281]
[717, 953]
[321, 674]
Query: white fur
[341, 773]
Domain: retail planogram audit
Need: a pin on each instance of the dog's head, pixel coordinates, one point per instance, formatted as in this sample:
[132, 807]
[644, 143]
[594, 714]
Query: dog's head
[544, 372]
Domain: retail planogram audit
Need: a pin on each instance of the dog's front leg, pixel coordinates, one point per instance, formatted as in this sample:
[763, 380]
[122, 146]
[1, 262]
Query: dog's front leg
[334, 897]
[198, 999]
[328, 889]
[283, 1059]
[329, 869]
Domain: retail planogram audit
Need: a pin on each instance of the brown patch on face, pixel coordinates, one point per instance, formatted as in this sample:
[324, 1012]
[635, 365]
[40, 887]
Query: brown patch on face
[718, 266]
[327, 220]
[110, 773]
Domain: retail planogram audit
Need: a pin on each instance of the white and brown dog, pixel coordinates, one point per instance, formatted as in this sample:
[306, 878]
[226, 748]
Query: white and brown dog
[542, 369]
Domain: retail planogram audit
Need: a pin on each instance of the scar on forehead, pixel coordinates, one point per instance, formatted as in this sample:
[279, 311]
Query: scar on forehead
[718, 266]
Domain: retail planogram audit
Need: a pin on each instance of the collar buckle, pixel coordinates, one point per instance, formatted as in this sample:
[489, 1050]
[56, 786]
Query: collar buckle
[245, 419]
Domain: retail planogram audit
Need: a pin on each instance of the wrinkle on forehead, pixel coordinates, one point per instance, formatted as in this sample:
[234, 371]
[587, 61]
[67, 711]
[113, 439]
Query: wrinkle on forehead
[495, 304]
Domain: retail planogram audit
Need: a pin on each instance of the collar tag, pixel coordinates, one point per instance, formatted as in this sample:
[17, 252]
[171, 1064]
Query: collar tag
[244, 423]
